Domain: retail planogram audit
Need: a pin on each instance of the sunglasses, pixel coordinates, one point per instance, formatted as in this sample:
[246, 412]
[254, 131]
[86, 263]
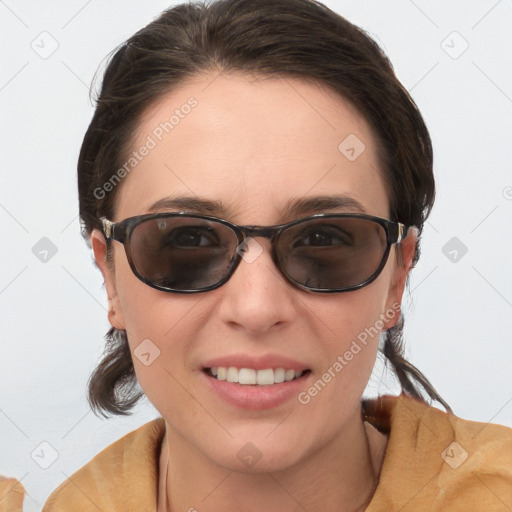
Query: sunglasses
[188, 253]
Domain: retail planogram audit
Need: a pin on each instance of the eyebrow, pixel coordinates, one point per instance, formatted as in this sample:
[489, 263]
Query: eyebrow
[295, 207]
[319, 204]
[191, 204]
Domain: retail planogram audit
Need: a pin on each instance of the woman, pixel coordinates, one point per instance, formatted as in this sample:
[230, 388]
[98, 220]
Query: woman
[269, 178]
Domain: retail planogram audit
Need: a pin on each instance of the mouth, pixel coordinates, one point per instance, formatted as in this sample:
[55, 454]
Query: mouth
[253, 377]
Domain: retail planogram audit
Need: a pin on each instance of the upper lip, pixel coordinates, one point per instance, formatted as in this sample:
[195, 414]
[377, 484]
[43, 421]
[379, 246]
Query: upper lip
[256, 362]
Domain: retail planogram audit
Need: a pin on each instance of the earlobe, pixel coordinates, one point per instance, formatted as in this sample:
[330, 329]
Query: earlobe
[99, 247]
[404, 256]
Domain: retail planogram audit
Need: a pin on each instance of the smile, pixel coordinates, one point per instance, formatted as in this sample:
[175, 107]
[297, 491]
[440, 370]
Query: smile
[252, 377]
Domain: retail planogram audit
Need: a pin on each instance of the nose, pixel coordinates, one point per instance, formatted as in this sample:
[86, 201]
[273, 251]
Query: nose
[257, 298]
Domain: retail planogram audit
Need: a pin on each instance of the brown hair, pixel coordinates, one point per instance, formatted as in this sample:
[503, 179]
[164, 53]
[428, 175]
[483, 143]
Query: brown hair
[279, 38]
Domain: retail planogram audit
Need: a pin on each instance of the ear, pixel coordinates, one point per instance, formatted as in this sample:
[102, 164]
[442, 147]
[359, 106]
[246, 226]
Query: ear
[99, 248]
[404, 254]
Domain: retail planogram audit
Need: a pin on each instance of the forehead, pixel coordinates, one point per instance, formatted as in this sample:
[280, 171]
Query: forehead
[252, 144]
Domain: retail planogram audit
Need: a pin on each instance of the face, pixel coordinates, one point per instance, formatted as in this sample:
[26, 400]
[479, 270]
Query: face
[255, 148]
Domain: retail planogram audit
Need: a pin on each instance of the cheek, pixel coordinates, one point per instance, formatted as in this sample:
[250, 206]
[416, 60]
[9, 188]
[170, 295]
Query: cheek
[138, 302]
[157, 323]
[352, 325]
[161, 332]
[354, 313]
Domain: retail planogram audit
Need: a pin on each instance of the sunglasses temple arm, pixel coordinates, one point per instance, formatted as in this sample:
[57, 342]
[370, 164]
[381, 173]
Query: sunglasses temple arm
[107, 227]
[403, 231]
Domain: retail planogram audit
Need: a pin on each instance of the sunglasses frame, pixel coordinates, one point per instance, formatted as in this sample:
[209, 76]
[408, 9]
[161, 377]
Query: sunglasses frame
[121, 232]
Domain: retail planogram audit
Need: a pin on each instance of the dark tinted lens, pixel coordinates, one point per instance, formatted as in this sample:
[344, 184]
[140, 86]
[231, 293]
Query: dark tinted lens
[332, 253]
[182, 253]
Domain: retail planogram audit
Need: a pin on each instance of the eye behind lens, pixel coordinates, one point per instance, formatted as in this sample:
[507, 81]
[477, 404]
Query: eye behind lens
[335, 254]
[182, 253]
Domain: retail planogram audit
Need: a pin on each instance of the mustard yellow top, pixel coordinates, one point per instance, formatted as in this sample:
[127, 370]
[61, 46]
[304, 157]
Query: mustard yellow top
[12, 493]
[434, 461]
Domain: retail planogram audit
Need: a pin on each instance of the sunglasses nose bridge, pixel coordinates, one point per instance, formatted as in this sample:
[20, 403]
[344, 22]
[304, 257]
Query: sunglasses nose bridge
[268, 232]
[260, 231]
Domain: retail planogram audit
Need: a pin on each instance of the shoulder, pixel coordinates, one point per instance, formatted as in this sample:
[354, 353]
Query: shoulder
[435, 460]
[122, 475]
[12, 493]
[483, 443]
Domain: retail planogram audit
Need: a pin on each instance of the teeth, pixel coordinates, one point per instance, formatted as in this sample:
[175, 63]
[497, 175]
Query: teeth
[232, 374]
[264, 377]
[279, 375]
[249, 376]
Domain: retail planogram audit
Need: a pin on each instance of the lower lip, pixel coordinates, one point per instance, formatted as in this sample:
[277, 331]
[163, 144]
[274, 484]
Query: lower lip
[256, 397]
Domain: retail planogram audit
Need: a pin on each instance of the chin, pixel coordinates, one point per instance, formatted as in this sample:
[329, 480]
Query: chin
[259, 455]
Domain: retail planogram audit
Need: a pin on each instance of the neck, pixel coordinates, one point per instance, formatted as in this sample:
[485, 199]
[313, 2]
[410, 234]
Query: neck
[342, 476]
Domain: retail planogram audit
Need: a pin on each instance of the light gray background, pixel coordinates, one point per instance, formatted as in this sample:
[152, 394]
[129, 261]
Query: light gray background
[53, 313]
